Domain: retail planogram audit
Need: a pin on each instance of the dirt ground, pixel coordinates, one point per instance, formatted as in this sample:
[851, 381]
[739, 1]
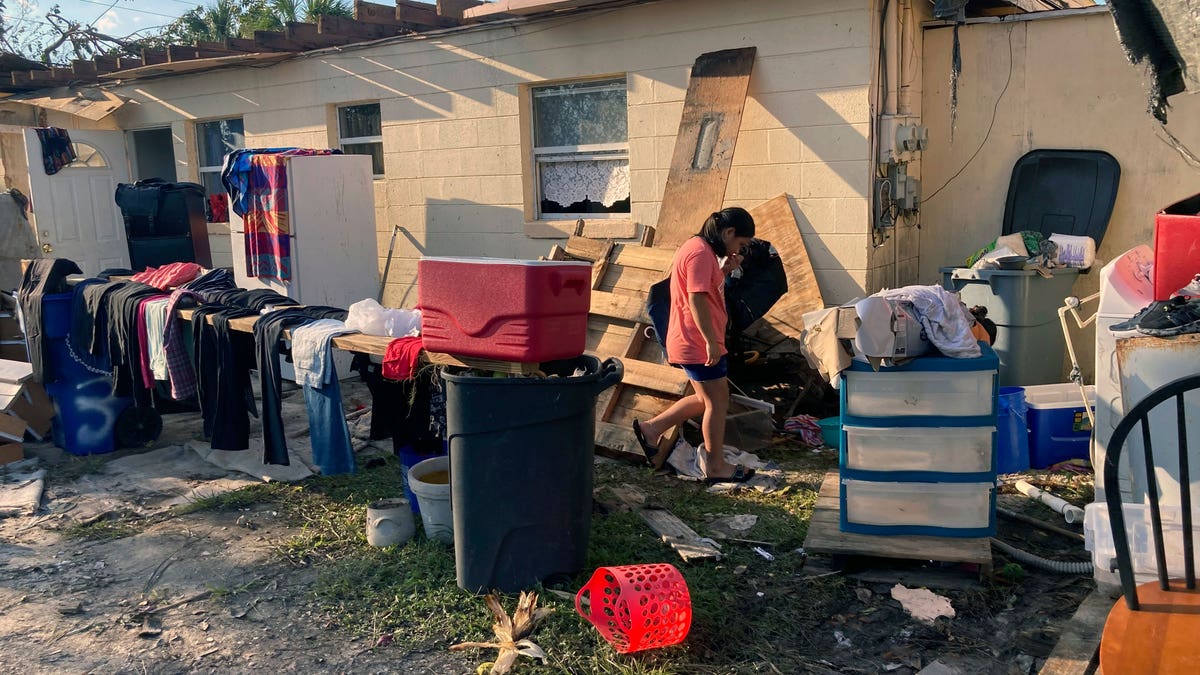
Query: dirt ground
[210, 592]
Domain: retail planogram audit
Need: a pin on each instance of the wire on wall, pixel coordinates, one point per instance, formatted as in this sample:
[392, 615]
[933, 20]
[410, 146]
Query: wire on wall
[991, 124]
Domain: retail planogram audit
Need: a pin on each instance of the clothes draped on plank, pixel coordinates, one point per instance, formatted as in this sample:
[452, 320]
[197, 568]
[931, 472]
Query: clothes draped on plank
[180, 371]
[150, 311]
[57, 149]
[212, 281]
[312, 354]
[43, 277]
[170, 275]
[400, 361]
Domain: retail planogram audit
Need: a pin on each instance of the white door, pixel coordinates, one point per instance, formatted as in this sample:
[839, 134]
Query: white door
[74, 211]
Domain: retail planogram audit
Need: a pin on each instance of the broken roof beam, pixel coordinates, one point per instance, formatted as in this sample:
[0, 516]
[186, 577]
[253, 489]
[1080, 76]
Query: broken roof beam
[489, 11]
[154, 57]
[453, 9]
[361, 30]
[421, 14]
[127, 63]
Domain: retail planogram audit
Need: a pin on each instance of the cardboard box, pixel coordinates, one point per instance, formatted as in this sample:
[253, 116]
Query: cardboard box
[36, 408]
[11, 452]
[12, 428]
[14, 350]
[1176, 246]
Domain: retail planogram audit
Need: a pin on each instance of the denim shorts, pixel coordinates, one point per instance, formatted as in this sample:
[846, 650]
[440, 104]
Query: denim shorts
[698, 372]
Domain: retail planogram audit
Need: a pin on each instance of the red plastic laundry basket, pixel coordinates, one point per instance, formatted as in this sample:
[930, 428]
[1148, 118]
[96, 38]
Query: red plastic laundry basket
[638, 607]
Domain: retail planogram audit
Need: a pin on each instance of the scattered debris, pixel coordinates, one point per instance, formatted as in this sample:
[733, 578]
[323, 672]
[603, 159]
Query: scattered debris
[759, 550]
[151, 627]
[245, 522]
[21, 488]
[733, 526]
[71, 610]
[842, 640]
[512, 634]
[939, 668]
[686, 542]
[864, 594]
[922, 603]
[740, 570]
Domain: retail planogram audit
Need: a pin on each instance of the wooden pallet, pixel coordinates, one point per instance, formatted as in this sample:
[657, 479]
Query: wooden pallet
[826, 537]
[617, 322]
[1077, 651]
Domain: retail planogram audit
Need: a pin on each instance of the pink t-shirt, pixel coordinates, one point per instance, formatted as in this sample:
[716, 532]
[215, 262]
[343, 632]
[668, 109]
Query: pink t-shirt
[695, 270]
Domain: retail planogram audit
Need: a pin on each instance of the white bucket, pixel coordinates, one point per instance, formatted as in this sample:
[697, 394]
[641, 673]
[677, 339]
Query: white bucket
[433, 498]
[389, 522]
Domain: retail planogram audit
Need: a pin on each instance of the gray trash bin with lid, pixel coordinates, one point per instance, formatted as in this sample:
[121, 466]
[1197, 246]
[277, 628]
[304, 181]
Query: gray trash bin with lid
[521, 453]
[1024, 305]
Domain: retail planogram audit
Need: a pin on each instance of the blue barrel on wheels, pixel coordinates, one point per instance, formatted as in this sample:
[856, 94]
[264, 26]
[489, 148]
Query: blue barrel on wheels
[1012, 451]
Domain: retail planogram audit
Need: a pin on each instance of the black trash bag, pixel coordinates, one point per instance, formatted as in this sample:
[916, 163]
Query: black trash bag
[747, 298]
[762, 282]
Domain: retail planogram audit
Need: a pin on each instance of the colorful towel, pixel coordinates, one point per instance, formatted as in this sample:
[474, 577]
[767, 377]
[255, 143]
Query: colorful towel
[808, 428]
[268, 230]
[57, 150]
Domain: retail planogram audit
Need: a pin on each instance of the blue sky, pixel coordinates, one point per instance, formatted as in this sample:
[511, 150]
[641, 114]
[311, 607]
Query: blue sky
[116, 17]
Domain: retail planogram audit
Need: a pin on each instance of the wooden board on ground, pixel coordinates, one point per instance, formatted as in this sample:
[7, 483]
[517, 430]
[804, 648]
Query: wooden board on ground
[1077, 650]
[684, 540]
[826, 537]
[776, 222]
[12, 428]
[704, 144]
[15, 372]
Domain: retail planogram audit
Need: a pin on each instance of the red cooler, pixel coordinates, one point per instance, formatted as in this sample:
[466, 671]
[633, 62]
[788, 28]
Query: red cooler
[1176, 246]
[508, 310]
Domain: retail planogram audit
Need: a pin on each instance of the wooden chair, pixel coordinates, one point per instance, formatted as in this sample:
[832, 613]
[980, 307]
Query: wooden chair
[1157, 628]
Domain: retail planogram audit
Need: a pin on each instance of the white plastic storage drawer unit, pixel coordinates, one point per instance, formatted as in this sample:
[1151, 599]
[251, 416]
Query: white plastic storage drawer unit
[945, 509]
[925, 387]
[958, 450]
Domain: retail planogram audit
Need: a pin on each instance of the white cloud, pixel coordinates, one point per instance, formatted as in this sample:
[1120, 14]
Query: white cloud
[108, 22]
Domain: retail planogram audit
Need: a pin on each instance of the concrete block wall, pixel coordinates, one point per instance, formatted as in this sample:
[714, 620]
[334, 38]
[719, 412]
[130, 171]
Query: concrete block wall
[453, 121]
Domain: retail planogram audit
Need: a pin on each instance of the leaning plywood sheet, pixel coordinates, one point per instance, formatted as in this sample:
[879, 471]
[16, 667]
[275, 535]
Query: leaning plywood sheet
[708, 131]
[776, 222]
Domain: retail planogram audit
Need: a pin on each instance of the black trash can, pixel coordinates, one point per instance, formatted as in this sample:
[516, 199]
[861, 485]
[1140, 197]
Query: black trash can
[521, 451]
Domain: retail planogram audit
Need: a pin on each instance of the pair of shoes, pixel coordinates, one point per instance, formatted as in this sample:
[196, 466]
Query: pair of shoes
[1176, 319]
[740, 475]
[1153, 309]
[648, 449]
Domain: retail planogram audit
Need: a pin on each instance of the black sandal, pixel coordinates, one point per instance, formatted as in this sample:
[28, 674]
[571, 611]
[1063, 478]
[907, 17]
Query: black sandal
[650, 451]
[740, 475]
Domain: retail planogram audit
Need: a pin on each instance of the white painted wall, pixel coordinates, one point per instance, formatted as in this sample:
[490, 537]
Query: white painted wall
[452, 122]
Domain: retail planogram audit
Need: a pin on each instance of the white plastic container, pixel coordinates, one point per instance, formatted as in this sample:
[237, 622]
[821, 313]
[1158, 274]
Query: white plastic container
[942, 449]
[949, 394]
[1097, 538]
[434, 498]
[947, 505]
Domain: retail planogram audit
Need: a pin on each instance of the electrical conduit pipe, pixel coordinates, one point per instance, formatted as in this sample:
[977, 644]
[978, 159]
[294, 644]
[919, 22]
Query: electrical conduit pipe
[1070, 512]
[1060, 566]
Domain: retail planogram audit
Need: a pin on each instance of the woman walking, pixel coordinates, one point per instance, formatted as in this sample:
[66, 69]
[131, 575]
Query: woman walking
[696, 339]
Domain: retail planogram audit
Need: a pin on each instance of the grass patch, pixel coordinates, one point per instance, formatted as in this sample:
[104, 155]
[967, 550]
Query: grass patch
[72, 468]
[235, 499]
[749, 614]
[101, 530]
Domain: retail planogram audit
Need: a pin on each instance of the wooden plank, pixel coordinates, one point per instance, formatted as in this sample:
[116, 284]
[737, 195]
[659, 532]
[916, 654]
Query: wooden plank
[631, 279]
[620, 439]
[12, 427]
[8, 394]
[586, 249]
[653, 376]
[825, 536]
[776, 222]
[601, 265]
[1079, 642]
[623, 307]
[657, 259]
[15, 372]
[686, 542]
[704, 145]
[510, 367]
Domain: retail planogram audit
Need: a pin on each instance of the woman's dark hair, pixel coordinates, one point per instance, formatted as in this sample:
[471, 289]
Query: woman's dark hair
[736, 217]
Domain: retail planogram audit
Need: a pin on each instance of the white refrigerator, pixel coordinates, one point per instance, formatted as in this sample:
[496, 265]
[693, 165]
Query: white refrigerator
[334, 255]
[331, 211]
